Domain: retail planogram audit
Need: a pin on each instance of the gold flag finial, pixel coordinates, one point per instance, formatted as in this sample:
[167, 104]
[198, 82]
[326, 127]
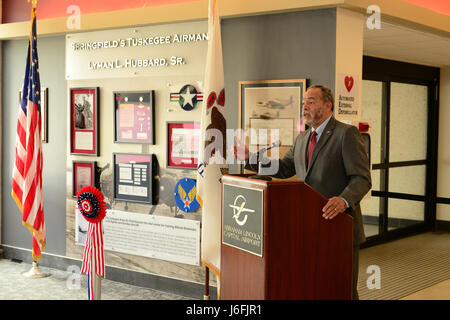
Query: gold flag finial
[213, 10]
[34, 2]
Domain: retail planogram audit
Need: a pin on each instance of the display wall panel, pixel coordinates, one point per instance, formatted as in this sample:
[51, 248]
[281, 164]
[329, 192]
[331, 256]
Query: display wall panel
[164, 82]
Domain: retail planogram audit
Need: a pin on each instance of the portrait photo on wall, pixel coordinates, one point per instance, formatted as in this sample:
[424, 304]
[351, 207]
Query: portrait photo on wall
[84, 120]
[271, 111]
[134, 117]
[183, 140]
[83, 175]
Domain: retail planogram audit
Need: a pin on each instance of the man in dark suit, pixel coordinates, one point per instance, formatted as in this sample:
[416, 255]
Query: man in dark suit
[330, 156]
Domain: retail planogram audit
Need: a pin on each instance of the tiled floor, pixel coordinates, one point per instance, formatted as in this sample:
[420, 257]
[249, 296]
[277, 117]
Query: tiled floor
[440, 291]
[404, 267]
[61, 285]
[423, 258]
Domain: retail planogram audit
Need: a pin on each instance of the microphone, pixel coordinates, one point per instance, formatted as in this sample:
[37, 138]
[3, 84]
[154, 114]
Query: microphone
[260, 154]
[275, 144]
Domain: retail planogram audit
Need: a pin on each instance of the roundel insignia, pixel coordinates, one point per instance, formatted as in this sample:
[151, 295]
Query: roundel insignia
[211, 99]
[87, 207]
[221, 100]
[188, 97]
[185, 195]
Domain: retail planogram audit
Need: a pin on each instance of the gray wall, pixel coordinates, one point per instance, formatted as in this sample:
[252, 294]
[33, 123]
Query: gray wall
[272, 47]
[282, 46]
[51, 53]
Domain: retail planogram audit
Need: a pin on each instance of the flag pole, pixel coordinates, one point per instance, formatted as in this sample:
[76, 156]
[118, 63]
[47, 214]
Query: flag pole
[96, 279]
[206, 294]
[34, 272]
[209, 171]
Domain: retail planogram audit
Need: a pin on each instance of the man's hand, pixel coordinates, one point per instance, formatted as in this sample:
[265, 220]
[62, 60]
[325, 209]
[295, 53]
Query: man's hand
[240, 150]
[333, 207]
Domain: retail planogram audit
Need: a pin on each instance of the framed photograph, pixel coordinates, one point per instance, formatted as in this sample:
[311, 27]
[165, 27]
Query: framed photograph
[134, 177]
[83, 175]
[44, 112]
[183, 140]
[134, 117]
[84, 121]
[265, 128]
[270, 111]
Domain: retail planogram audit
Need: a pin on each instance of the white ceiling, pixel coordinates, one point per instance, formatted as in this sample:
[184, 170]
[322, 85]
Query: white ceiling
[405, 44]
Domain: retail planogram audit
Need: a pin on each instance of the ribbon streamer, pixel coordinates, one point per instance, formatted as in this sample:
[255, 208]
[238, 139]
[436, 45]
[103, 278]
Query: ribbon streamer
[92, 206]
[93, 250]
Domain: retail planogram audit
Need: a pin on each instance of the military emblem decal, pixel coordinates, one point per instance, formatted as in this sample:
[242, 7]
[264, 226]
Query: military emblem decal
[201, 168]
[187, 98]
[211, 99]
[185, 195]
[221, 100]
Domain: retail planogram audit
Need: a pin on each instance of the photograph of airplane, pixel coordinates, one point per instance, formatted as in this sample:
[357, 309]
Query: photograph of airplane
[270, 109]
[276, 103]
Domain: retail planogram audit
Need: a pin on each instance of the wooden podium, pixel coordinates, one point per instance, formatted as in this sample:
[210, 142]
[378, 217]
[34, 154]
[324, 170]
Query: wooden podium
[277, 245]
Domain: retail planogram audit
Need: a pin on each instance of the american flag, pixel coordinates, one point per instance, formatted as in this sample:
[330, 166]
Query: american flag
[27, 172]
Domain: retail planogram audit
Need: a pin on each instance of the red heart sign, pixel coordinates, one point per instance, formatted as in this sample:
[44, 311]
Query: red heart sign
[349, 83]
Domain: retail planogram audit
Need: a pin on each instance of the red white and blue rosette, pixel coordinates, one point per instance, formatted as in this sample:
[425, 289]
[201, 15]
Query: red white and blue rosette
[92, 206]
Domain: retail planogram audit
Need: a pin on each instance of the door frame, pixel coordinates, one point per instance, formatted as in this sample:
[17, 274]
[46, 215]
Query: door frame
[388, 71]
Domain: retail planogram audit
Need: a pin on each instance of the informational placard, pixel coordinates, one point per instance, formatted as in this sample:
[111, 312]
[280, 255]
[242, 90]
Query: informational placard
[133, 177]
[242, 218]
[347, 104]
[162, 50]
[165, 238]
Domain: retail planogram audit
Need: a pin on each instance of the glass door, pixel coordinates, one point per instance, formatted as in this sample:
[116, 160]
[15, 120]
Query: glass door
[400, 102]
[372, 111]
[398, 117]
[407, 165]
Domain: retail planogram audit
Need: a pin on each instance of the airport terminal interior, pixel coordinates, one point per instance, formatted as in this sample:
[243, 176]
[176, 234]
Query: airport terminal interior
[125, 88]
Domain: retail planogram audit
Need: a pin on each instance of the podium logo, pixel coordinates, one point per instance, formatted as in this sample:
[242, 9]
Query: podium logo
[239, 208]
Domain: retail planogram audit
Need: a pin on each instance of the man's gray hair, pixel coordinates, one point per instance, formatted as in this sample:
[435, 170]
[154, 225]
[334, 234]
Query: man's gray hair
[327, 94]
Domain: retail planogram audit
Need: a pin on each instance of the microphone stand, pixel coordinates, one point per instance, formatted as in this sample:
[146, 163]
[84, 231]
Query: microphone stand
[259, 156]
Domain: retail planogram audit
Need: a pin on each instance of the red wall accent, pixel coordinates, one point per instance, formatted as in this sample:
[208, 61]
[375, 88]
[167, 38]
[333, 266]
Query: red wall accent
[441, 6]
[20, 10]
